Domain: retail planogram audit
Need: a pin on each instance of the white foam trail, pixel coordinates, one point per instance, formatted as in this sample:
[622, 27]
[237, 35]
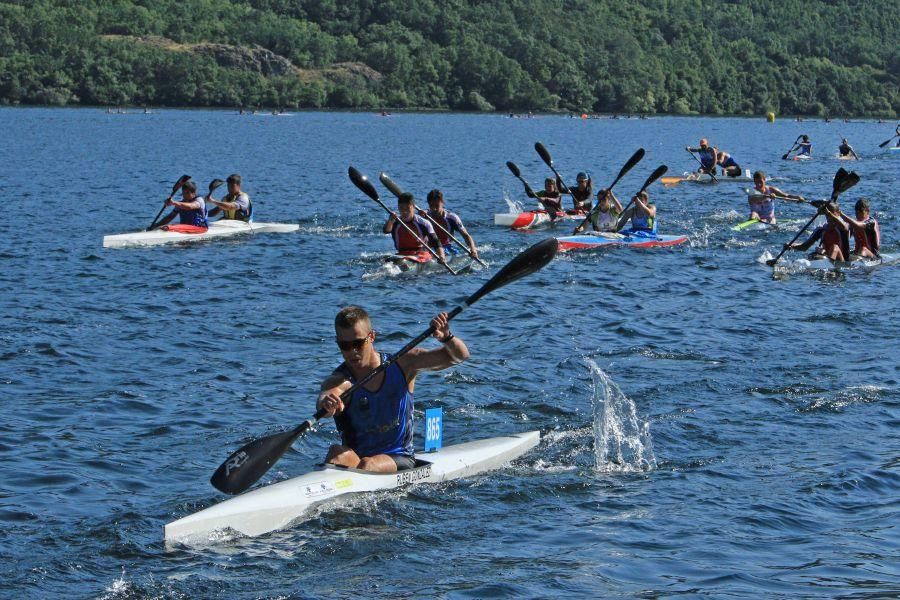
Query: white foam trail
[621, 442]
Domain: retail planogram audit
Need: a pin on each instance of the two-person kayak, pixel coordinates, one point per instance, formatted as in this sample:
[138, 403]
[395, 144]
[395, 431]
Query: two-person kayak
[608, 239]
[284, 503]
[172, 235]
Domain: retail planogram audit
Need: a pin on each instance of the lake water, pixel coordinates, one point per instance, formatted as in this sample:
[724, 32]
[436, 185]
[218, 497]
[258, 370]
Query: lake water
[765, 408]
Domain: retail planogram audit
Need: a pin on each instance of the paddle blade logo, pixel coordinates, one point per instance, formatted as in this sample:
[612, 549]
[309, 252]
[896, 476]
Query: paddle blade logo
[235, 462]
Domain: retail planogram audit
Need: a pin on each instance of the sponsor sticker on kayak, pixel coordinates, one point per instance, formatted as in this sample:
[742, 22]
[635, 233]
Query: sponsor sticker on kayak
[343, 483]
[413, 475]
[318, 488]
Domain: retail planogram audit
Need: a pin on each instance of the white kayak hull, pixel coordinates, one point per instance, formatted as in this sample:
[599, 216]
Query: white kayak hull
[217, 229]
[281, 504]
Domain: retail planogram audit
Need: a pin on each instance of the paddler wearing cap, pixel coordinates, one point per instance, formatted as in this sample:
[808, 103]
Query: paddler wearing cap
[582, 194]
[707, 156]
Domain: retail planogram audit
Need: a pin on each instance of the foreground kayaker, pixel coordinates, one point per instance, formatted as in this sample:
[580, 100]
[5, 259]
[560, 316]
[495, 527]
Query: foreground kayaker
[706, 155]
[642, 215]
[191, 211]
[865, 230]
[845, 149]
[236, 204]
[405, 242]
[450, 222]
[376, 423]
[762, 199]
[833, 238]
[606, 214]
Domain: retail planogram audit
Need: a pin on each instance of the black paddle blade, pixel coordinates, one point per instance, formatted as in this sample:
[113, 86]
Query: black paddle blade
[214, 184]
[659, 172]
[363, 183]
[514, 169]
[181, 181]
[635, 159]
[387, 182]
[545, 156]
[819, 204]
[527, 262]
[847, 182]
[245, 466]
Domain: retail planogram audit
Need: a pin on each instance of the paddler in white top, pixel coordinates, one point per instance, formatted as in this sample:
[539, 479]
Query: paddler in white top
[191, 210]
[236, 204]
[376, 423]
[405, 242]
[449, 221]
[605, 215]
[762, 199]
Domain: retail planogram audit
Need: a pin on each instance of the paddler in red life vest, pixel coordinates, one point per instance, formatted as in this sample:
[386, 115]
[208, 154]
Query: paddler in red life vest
[449, 221]
[191, 210]
[548, 197]
[833, 236]
[406, 243]
[762, 199]
[376, 423]
[236, 204]
[865, 230]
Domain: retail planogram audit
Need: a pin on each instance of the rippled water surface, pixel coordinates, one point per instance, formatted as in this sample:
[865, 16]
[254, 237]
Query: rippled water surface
[761, 459]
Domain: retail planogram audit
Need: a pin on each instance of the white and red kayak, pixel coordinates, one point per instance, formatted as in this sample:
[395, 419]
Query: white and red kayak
[534, 218]
[178, 234]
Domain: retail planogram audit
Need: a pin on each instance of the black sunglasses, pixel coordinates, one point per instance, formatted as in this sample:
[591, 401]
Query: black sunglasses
[356, 344]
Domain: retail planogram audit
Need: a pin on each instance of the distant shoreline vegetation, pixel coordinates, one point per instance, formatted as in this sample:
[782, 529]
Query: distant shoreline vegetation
[700, 57]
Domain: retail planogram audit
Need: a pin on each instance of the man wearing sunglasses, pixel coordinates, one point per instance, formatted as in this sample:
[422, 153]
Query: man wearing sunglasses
[376, 423]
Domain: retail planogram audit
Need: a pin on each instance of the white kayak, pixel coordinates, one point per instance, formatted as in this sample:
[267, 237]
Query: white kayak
[822, 264]
[281, 504]
[705, 178]
[217, 229]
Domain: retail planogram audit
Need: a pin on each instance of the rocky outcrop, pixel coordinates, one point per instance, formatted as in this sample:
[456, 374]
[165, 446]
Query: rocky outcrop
[247, 58]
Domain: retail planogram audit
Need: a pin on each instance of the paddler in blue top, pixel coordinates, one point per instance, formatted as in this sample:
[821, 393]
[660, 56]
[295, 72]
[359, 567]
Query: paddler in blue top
[707, 157]
[727, 162]
[191, 210]
[236, 204]
[642, 215]
[406, 243]
[449, 221]
[376, 423]
[804, 146]
[762, 199]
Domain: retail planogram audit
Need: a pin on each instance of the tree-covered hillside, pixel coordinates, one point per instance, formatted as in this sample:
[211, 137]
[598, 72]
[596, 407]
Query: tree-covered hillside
[671, 56]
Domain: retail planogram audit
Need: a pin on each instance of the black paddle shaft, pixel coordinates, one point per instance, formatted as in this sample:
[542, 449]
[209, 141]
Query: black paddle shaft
[181, 181]
[244, 467]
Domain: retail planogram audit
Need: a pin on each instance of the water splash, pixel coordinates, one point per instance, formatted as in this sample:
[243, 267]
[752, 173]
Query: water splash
[513, 206]
[621, 442]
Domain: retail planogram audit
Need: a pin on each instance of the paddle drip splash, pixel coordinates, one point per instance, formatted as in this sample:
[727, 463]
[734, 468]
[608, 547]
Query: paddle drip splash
[513, 206]
[621, 442]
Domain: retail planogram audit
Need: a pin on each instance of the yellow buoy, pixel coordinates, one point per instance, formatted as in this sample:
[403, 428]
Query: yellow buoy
[770, 117]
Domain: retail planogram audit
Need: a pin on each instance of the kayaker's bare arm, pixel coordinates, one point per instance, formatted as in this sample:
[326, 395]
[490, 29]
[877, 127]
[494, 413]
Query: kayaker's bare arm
[465, 233]
[330, 394]
[452, 351]
[389, 226]
[785, 196]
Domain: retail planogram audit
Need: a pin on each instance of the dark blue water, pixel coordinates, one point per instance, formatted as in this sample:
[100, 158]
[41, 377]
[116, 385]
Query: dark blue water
[127, 376]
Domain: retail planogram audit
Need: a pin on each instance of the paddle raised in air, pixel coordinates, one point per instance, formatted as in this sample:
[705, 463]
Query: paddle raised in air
[245, 466]
[635, 159]
[366, 187]
[396, 190]
[843, 181]
[181, 181]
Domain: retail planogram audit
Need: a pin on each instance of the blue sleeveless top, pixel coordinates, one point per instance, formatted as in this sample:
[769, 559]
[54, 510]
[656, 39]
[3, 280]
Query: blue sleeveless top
[379, 422]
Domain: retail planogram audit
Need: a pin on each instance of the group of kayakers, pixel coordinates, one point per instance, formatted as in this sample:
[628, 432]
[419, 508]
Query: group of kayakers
[711, 159]
[193, 213]
[834, 235]
[417, 233]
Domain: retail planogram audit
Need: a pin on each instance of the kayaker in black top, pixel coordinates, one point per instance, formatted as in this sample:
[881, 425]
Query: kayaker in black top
[583, 194]
[548, 197]
[845, 149]
[236, 204]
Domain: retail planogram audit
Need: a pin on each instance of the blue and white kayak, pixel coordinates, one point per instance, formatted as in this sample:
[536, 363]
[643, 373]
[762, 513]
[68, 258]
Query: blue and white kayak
[638, 239]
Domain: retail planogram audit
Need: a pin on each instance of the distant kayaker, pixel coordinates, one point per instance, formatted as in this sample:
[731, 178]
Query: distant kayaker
[236, 204]
[582, 195]
[605, 215]
[727, 162]
[548, 197]
[642, 215]
[833, 236]
[865, 230]
[449, 221]
[191, 210]
[762, 199]
[707, 157]
[845, 149]
[376, 423]
[804, 146]
[405, 242]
